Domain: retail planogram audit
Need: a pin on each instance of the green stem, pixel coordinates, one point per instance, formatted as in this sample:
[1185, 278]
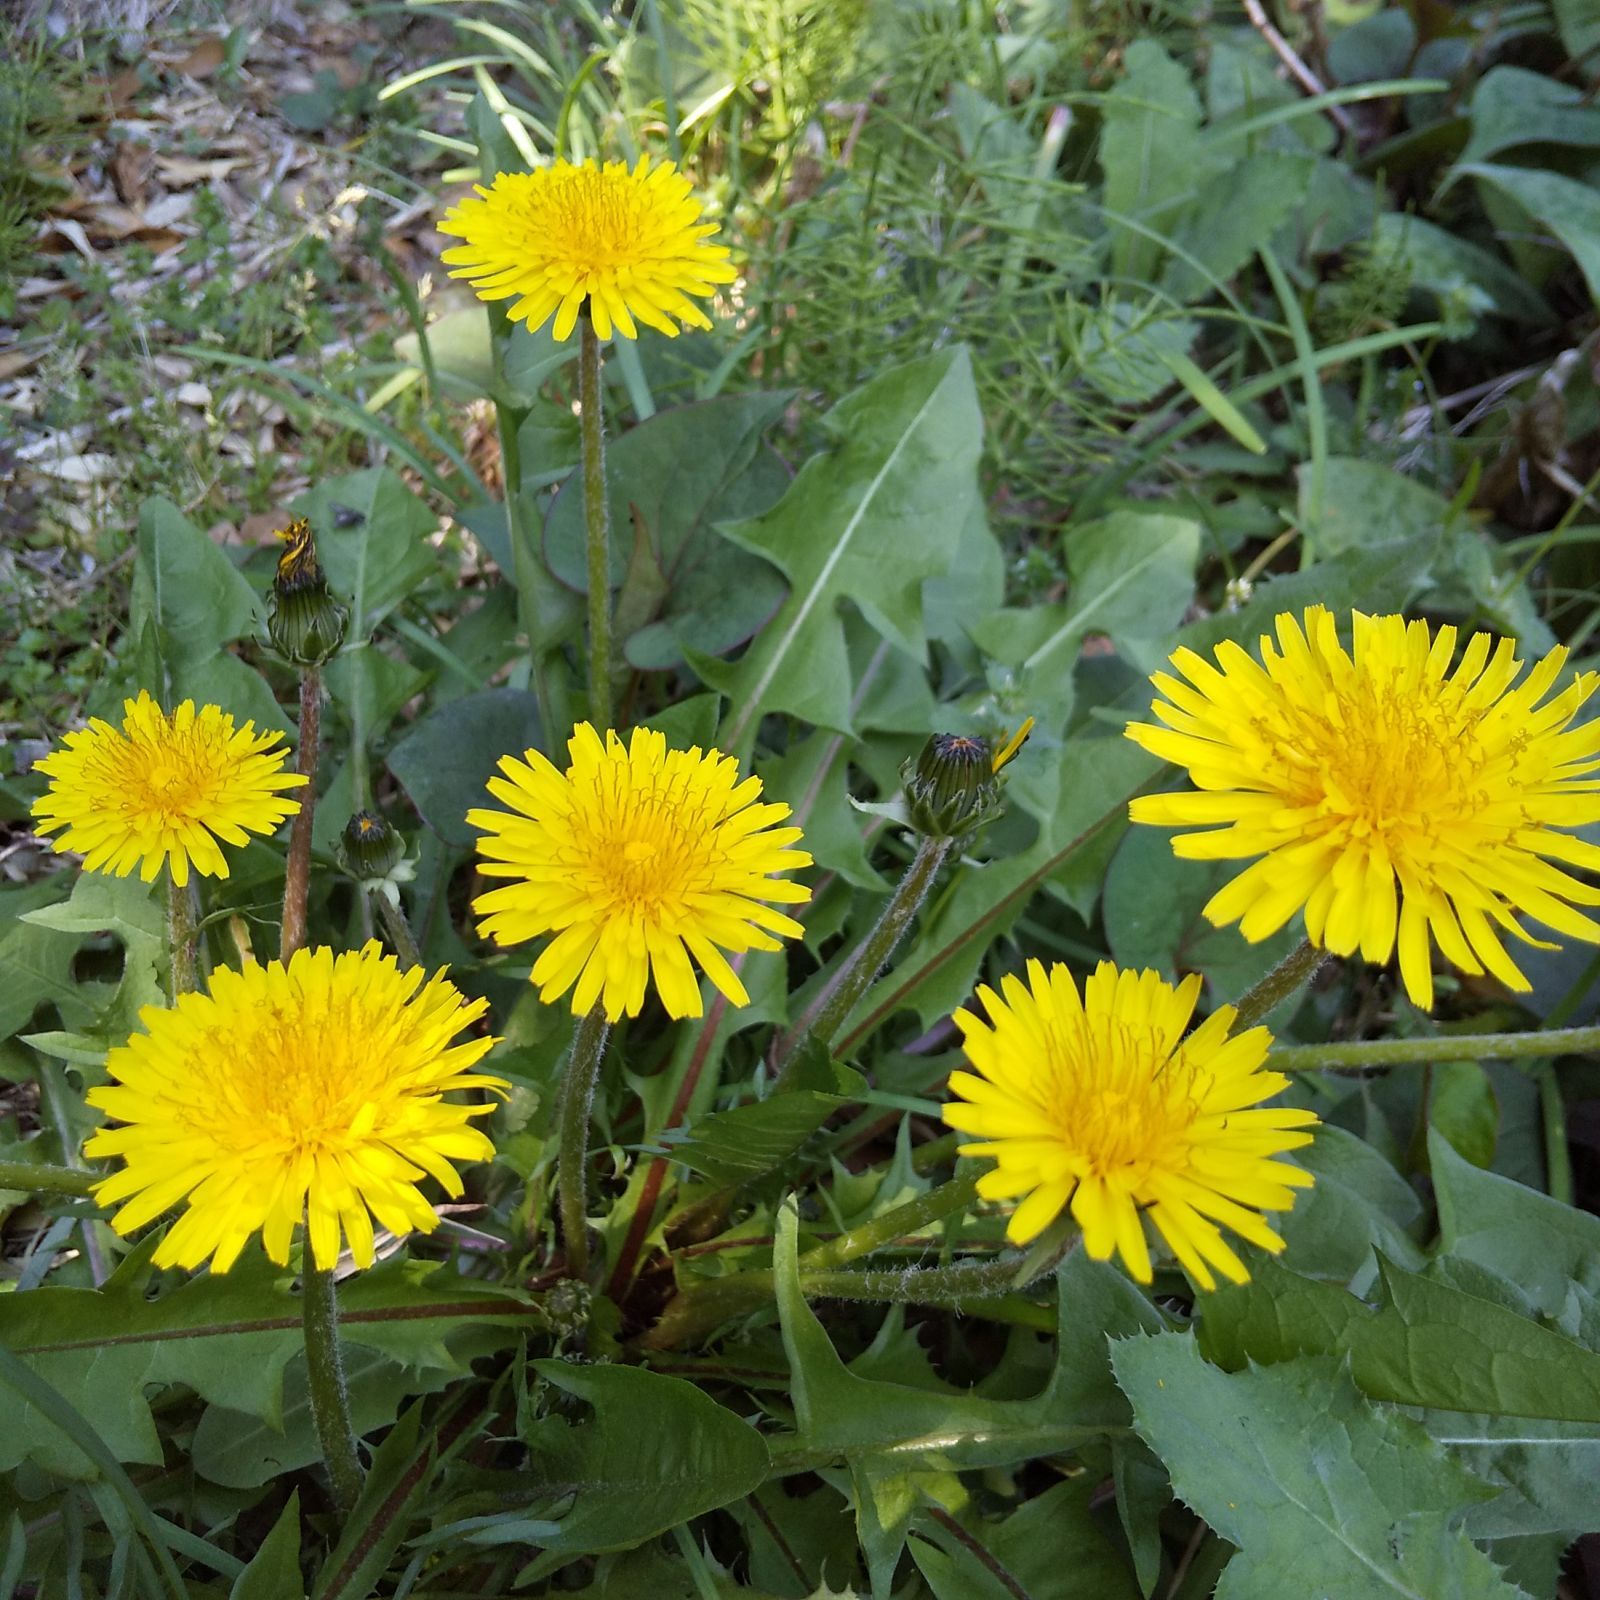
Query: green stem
[914, 1215]
[577, 1103]
[31, 1179]
[1553, 1114]
[330, 1396]
[597, 523]
[181, 975]
[831, 1009]
[1296, 969]
[398, 929]
[297, 879]
[1436, 1047]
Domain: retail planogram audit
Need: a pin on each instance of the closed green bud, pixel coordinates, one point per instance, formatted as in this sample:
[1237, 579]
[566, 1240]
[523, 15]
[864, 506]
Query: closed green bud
[304, 621]
[954, 786]
[369, 849]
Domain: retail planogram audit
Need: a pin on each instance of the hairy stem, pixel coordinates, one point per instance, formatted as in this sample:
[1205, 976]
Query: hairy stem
[1437, 1047]
[31, 1179]
[1296, 969]
[831, 1009]
[182, 973]
[330, 1396]
[597, 523]
[577, 1104]
[397, 928]
[297, 880]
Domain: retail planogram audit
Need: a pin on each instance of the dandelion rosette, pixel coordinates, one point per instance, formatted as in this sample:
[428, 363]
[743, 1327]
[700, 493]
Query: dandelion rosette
[164, 789]
[312, 1091]
[1388, 795]
[636, 858]
[621, 244]
[1103, 1105]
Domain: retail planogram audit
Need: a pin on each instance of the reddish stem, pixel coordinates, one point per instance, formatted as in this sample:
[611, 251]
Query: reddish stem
[297, 880]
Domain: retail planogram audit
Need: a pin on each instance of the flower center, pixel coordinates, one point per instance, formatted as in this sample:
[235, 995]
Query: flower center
[1383, 758]
[594, 221]
[1118, 1101]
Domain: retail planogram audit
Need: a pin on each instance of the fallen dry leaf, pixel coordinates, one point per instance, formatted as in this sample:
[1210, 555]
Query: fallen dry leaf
[204, 59]
[181, 172]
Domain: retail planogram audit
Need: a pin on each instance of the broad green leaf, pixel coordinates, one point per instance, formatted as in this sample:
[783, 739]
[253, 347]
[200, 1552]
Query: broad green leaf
[1052, 1548]
[1512, 106]
[1308, 1479]
[868, 522]
[1463, 1108]
[1248, 201]
[1454, 268]
[446, 759]
[1366, 502]
[1536, 1242]
[1430, 1344]
[1132, 579]
[195, 596]
[882, 1430]
[274, 1571]
[228, 1338]
[654, 1452]
[371, 533]
[36, 960]
[680, 474]
[400, 1474]
[1568, 208]
[1579, 28]
[1152, 112]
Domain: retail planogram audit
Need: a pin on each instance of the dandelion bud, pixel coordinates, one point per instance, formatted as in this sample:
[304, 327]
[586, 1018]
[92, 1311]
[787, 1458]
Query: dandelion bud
[369, 849]
[953, 787]
[305, 622]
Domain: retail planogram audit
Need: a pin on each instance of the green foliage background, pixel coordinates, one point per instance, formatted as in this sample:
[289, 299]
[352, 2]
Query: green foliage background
[1069, 334]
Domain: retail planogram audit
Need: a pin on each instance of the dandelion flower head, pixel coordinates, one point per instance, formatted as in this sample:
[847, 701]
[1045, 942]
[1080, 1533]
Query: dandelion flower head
[313, 1090]
[1398, 801]
[636, 858]
[625, 245]
[1100, 1103]
[164, 788]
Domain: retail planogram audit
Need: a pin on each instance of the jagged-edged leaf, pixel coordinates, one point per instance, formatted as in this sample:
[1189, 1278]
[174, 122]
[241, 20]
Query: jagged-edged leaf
[674, 478]
[1305, 1476]
[195, 596]
[868, 521]
[228, 1338]
[1428, 1344]
[371, 533]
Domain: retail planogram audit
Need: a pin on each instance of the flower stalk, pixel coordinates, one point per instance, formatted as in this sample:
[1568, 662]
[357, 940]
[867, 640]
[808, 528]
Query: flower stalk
[297, 879]
[597, 522]
[1436, 1047]
[577, 1105]
[30, 1178]
[181, 938]
[831, 1009]
[326, 1385]
[1291, 974]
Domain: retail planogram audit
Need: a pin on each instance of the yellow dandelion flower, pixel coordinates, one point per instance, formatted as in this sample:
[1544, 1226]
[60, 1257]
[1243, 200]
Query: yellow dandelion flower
[621, 244]
[313, 1091]
[1387, 795]
[637, 858]
[1103, 1105]
[164, 788]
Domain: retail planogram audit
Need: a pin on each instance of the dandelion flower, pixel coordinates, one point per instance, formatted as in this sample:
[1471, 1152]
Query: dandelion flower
[622, 245]
[310, 1091]
[164, 788]
[1103, 1105]
[1387, 795]
[637, 858]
